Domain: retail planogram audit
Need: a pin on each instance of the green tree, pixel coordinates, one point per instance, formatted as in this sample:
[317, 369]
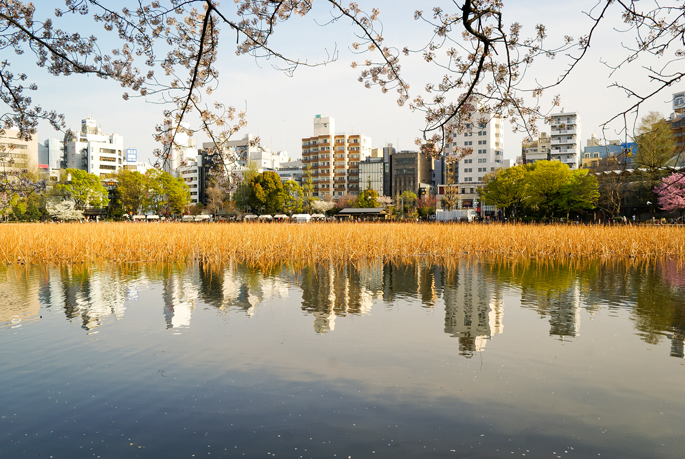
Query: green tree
[155, 197]
[293, 197]
[266, 192]
[506, 189]
[83, 188]
[367, 199]
[166, 194]
[655, 142]
[241, 196]
[544, 182]
[177, 194]
[131, 190]
[578, 194]
[408, 198]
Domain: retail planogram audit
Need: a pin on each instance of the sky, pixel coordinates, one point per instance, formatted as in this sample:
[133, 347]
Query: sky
[280, 108]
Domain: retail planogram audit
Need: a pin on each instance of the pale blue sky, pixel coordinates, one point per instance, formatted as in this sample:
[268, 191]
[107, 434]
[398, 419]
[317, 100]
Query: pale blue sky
[280, 108]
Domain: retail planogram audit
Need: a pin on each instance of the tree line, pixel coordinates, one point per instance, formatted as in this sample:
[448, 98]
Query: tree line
[77, 190]
[549, 189]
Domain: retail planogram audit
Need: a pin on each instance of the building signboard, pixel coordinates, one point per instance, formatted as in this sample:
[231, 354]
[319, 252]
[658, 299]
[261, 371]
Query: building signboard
[131, 155]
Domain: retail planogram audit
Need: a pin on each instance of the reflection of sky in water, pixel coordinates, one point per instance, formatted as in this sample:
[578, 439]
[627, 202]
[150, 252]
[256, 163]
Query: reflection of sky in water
[392, 361]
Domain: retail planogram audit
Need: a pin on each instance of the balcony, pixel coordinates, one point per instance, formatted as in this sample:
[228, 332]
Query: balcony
[536, 156]
[568, 130]
[561, 140]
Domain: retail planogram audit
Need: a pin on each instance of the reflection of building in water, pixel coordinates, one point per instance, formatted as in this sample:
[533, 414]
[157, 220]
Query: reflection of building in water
[331, 291]
[473, 308]
[561, 305]
[242, 287]
[678, 332]
[19, 296]
[179, 295]
[411, 280]
[91, 295]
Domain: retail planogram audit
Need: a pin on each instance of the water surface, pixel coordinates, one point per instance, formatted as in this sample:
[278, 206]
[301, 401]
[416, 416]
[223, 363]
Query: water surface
[471, 360]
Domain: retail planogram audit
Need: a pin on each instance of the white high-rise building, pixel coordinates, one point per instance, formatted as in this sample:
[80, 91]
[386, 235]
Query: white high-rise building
[94, 151]
[180, 154]
[483, 137]
[183, 162]
[565, 138]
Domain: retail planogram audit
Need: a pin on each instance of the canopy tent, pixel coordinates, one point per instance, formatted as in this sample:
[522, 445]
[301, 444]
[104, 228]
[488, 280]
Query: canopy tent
[301, 218]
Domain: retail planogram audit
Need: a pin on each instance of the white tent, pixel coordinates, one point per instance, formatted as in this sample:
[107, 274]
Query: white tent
[301, 218]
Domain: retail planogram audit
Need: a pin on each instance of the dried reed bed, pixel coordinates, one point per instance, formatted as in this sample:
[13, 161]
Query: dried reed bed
[271, 244]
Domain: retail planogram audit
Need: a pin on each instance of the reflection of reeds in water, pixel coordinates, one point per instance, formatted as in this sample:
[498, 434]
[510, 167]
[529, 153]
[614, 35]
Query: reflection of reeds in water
[272, 244]
[470, 291]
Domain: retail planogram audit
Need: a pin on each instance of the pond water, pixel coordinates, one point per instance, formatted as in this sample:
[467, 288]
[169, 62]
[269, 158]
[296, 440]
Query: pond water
[467, 361]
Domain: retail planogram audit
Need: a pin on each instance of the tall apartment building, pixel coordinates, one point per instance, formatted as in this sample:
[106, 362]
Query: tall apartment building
[16, 153]
[94, 151]
[565, 138]
[538, 149]
[483, 136]
[334, 158]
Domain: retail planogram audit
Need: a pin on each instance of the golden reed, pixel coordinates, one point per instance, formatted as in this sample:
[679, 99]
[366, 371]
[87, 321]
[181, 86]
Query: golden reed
[270, 244]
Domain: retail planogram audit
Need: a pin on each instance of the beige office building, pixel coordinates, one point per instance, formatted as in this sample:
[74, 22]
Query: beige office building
[334, 158]
[16, 153]
[538, 149]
